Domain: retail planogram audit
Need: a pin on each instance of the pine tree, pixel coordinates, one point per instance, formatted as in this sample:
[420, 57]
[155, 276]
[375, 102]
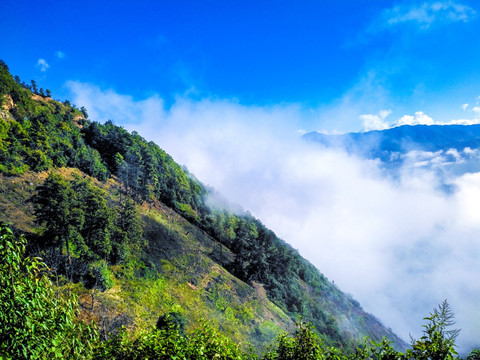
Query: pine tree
[34, 87]
[56, 208]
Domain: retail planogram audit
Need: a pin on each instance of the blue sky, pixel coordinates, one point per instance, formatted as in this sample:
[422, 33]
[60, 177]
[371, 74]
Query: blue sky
[339, 59]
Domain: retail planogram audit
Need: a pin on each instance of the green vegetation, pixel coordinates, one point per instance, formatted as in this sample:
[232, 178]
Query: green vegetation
[38, 323]
[37, 320]
[37, 135]
[75, 215]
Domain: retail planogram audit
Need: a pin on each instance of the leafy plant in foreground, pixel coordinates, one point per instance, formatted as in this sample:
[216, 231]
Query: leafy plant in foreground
[36, 320]
[438, 341]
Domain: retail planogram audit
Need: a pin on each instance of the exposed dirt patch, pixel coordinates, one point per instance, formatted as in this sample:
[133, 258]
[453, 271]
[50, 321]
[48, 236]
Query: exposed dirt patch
[260, 290]
[8, 103]
[193, 287]
[41, 98]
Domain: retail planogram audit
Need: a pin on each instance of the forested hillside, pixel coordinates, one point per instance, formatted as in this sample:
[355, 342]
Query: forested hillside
[137, 237]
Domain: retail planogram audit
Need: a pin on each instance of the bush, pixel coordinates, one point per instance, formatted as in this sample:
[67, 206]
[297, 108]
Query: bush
[172, 320]
[102, 276]
[37, 320]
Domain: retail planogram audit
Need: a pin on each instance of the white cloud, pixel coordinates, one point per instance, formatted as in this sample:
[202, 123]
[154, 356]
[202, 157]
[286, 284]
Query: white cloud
[42, 65]
[59, 54]
[447, 164]
[375, 121]
[427, 13]
[461, 122]
[400, 245]
[106, 105]
[419, 118]
[464, 107]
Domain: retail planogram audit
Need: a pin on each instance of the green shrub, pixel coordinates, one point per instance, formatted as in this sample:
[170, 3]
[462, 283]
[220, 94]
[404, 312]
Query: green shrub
[104, 278]
[37, 321]
[171, 320]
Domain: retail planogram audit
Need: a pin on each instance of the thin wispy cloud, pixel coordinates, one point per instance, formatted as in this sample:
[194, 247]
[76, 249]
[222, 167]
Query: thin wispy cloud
[60, 54]
[388, 242]
[42, 65]
[428, 13]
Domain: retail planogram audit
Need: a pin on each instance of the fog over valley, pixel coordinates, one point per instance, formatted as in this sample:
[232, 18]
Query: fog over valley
[399, 241]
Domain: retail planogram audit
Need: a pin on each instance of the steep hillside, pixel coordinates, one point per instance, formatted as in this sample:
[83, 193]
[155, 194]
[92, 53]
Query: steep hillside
[141, 237]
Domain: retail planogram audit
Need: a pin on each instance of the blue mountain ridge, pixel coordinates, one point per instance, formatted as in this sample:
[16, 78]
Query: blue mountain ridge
[382, 144]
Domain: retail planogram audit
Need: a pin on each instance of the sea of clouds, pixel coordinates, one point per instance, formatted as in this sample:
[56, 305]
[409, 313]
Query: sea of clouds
[399, 244]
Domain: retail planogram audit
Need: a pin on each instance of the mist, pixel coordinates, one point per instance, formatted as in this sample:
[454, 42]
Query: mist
[399, 244]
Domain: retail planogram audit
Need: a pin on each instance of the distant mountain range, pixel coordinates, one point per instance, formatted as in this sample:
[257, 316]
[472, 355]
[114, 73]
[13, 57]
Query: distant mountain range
[451, 148]
[382, 143]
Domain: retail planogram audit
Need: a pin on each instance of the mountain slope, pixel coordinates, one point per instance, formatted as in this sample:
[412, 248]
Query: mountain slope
[139, 236]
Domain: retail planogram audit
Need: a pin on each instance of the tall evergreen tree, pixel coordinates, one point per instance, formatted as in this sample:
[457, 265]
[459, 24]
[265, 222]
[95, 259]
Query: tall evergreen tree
[97, 226]
[34, 87]
[56, 208]
[127, 236]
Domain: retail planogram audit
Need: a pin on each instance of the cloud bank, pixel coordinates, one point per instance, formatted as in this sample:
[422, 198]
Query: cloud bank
[378, 122]
[399, 245]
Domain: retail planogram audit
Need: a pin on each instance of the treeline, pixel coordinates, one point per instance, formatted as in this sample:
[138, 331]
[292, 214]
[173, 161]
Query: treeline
[38, 322]
[40, 135]
[46, 135]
